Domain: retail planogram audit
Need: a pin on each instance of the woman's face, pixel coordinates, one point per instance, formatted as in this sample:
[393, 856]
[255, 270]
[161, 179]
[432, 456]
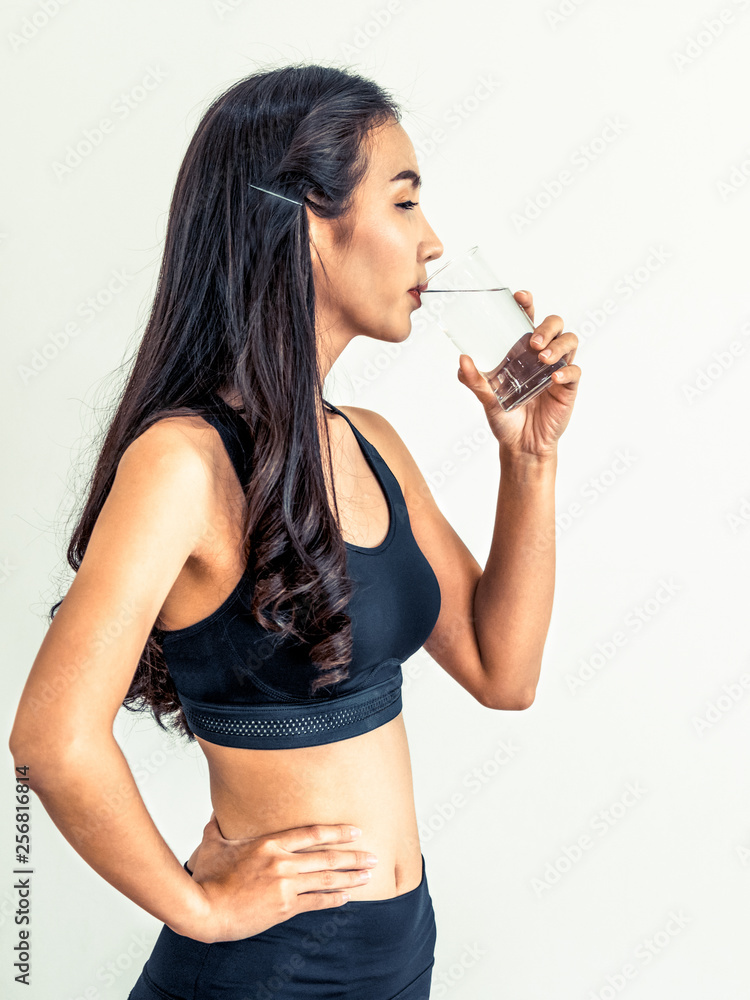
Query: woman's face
[369, 276]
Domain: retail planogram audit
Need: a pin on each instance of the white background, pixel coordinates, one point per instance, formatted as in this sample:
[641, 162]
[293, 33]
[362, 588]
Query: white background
[653, 484]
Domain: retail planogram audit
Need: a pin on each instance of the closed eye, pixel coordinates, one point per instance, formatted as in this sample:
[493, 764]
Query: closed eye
[407, 204]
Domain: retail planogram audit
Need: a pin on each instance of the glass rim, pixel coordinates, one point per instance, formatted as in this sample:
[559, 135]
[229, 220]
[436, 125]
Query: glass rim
[464, 253]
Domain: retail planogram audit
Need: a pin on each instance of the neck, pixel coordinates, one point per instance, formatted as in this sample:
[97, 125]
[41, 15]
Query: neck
[234, 399]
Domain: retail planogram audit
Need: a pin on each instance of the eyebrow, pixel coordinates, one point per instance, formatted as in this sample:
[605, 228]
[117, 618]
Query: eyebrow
[408, 175]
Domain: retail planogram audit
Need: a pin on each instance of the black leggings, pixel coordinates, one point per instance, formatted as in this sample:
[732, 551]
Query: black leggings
[371, 949]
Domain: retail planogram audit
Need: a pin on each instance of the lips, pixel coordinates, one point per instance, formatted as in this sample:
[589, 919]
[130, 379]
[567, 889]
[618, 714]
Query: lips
[419, 288]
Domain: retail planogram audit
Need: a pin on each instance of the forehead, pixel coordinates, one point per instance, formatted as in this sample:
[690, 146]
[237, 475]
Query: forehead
[390, 152]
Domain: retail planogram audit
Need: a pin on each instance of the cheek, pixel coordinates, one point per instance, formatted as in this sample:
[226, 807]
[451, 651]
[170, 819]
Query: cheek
[383, 249]
[374, 273]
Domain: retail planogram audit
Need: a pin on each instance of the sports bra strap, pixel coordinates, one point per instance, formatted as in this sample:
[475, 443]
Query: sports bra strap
[235, 434]
[233, 430]
[357, 433]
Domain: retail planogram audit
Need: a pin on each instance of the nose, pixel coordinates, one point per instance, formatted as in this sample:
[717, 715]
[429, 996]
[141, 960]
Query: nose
[431, 248]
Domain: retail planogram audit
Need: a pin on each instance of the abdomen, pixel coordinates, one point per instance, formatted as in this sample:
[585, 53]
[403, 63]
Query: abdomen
[364, 781]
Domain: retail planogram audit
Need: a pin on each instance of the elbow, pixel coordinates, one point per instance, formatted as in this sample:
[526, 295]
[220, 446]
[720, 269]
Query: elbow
[509, 701]
[17, 746]
[33, 758]
[25, 756]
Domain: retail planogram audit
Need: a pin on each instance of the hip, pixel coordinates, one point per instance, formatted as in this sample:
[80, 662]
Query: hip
[374, 949]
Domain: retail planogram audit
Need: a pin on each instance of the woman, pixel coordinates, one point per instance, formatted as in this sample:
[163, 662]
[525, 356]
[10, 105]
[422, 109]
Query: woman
[266, 598]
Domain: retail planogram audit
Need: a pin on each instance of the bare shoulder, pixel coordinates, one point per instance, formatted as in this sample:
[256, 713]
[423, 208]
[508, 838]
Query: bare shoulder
[375, 428]
[386, 439]
[155, 517]
[183, 452]
[183, 440]
[176, 462]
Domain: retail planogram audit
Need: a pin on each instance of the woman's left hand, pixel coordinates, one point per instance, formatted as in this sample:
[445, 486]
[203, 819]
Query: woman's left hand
[534, 428]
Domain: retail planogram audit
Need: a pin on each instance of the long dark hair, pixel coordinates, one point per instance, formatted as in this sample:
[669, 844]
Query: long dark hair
[235, 308]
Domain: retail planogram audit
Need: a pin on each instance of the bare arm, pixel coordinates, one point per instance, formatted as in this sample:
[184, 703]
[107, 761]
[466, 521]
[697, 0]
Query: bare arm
[454, 642]
[513, 598]
[493, 624]
[150, 524]
[93, 800]
[160, 510]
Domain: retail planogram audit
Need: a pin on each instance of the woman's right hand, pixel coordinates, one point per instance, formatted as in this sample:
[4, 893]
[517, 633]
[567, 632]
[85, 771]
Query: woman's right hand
[254, 883]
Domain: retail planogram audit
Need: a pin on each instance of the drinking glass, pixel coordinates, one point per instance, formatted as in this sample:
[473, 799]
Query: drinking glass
[482, 319]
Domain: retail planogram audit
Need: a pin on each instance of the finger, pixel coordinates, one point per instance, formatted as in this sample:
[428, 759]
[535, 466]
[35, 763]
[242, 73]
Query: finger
[327, 881]
[548, 329]
[562, 346]
[321, 900]
[333, 860]
[570, 373]
[312, 836]
[526, 301]
[470, 376]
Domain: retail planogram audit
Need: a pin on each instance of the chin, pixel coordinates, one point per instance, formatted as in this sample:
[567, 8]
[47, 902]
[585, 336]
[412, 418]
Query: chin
[395, 334]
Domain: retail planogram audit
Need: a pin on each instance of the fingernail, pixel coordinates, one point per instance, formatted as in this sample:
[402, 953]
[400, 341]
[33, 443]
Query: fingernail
[356, 831]
[538, 339]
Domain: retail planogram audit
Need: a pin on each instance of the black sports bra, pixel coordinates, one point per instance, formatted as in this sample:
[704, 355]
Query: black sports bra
[241, 685]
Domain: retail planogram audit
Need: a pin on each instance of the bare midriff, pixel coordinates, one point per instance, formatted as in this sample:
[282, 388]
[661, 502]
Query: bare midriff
[364, 781]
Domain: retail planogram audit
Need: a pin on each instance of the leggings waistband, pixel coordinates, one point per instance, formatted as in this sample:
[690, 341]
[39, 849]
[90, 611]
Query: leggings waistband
[367, 948]
[402, 895]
